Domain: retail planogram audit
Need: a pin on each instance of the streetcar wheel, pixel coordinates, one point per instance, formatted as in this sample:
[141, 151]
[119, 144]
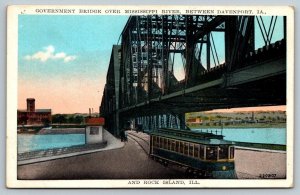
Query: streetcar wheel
[201, 173]
[165, 163]
[188, 170]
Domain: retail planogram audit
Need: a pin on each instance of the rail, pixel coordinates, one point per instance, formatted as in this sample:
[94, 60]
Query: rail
[134, 138]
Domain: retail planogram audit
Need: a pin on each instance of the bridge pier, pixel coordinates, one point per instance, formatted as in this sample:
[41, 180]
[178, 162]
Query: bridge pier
[154, 122]
[181, 118]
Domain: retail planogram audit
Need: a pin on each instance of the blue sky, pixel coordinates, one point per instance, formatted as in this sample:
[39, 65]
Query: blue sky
[89, 38]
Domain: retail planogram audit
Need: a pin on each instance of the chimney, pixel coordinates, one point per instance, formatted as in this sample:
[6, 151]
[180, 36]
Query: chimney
[30, 105]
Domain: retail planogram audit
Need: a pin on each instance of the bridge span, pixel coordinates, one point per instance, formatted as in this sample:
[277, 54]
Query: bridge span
[226, 62]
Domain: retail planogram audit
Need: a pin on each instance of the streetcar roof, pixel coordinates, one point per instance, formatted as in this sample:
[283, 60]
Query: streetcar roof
[208, 141]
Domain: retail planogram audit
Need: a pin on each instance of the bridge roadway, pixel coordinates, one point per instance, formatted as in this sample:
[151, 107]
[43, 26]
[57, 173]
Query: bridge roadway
[261, 84]
[132, 162]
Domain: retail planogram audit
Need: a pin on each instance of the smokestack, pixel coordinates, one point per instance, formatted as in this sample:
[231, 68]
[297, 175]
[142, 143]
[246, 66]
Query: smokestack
[89, 112]
[30, 105]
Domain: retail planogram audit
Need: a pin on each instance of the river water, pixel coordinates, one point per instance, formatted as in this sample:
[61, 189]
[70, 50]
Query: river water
[31, 142]
[254, 135]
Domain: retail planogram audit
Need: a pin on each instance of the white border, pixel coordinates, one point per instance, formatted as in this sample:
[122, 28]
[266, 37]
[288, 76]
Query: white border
[12, 62]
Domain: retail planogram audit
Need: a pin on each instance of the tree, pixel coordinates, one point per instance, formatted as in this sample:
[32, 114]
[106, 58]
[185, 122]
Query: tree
[71, 119]
[78, 119]
[59, 118]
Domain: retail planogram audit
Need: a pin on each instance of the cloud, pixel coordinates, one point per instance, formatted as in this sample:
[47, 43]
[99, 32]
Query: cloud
[49, 53]
[69, 58]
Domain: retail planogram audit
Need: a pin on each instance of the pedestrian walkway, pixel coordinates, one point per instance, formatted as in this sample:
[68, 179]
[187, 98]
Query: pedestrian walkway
[43, 155]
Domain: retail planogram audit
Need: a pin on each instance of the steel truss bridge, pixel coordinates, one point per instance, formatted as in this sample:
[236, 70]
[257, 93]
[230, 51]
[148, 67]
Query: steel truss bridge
[231, 71]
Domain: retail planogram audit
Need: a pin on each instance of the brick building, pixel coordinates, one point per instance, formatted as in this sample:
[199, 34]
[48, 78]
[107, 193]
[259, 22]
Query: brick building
[32, 116]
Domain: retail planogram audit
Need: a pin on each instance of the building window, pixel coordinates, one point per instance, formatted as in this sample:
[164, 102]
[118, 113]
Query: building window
[94, 131]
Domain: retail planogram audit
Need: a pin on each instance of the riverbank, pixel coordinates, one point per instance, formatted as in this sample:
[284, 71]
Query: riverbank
[46, 131]
[51, 131]
[28, 157]
[31, 132]
[242, 125]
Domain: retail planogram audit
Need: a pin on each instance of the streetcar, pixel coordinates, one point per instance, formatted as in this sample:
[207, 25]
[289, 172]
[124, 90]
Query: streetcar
[203, 154]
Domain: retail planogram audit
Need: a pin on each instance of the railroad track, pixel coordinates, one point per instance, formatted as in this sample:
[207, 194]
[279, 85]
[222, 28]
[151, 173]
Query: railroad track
[146, 141]
[144, 144]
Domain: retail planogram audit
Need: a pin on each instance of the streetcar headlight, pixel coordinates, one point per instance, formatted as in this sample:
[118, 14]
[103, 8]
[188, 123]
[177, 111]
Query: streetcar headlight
[224, 168]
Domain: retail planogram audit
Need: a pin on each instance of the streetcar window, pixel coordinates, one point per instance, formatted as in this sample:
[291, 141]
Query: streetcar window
[161, 142]
[231, 152]
[157, 142]
[165, 143]
[186, 148]
[196, 151]
[211, 152]
[154, 141]
[173, 144]
[202, 151]
[191, 150]
[181, 147]
[177, 146]
[223, 152]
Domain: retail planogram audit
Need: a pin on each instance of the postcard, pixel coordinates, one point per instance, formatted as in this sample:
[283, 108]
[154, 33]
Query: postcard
[150, 96]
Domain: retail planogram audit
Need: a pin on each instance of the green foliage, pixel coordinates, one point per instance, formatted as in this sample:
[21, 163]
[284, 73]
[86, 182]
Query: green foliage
[67, 119]
[59, 118]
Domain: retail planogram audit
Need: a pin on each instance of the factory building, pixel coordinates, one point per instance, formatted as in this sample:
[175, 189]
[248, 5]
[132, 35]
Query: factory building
[32, 116]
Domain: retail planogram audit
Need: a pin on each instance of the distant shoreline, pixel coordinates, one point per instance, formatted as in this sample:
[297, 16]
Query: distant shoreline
[248, 125]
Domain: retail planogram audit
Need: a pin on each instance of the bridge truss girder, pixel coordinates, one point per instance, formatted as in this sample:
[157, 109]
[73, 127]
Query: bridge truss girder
[147, 83]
